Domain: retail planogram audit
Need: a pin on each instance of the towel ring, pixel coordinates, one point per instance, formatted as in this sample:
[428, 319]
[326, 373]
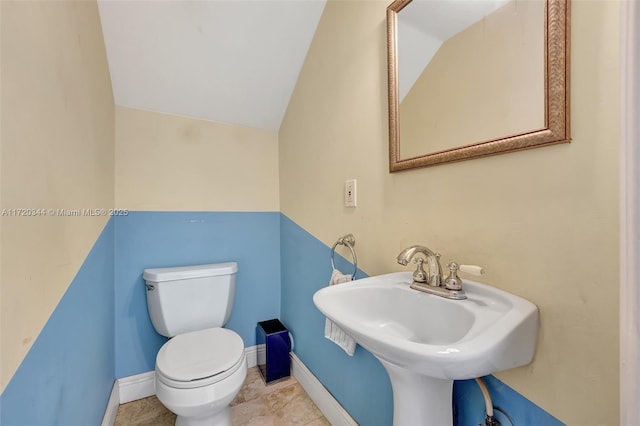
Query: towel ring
[348, 241]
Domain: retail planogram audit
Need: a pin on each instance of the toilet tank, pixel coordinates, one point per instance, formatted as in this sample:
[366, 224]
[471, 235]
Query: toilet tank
[190, 298]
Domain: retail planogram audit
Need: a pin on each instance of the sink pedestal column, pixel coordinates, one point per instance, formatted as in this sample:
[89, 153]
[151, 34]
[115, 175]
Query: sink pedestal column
[419, 400]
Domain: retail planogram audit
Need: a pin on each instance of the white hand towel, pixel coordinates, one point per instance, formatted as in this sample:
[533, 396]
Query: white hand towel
[332, 331]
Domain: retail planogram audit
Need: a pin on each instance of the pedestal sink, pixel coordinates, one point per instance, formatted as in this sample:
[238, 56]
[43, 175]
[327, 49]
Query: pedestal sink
[425, 342]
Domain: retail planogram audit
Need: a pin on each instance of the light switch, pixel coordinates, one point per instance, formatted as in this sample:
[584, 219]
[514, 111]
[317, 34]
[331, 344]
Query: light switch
[350, 195]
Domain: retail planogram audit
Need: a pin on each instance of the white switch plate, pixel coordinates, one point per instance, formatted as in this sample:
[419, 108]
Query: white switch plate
[350, 194]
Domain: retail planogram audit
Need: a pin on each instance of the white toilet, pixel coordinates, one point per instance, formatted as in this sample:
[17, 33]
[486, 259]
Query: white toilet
[201, 369]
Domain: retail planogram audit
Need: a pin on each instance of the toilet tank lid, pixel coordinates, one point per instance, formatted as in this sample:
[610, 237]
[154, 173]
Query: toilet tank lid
[185, 272]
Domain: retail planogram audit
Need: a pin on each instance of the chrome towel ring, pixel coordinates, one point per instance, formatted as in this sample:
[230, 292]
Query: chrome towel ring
[350, 242]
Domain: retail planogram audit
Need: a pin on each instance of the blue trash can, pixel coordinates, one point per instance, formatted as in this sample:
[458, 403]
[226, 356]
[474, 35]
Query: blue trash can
[273, 342]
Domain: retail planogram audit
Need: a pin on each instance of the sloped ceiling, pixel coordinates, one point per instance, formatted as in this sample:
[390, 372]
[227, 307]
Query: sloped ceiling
[230, 61]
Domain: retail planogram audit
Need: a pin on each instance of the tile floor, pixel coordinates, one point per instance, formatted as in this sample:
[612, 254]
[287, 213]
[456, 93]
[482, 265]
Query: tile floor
[283, 403]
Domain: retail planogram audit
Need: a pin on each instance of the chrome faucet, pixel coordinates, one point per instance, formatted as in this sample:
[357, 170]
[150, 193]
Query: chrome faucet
[433, 282]
[434, 278]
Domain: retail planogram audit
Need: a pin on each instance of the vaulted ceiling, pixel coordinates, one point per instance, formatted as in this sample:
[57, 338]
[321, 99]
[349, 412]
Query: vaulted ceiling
[230, 61]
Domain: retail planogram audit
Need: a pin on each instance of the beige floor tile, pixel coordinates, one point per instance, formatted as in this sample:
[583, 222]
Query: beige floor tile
[322, 421]
[292, 406]
[254, 386]
[283, 403]
[147, 411]
[289, 405]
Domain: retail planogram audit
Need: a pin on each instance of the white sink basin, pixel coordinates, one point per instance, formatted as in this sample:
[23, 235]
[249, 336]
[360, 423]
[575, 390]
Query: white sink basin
[414, 332]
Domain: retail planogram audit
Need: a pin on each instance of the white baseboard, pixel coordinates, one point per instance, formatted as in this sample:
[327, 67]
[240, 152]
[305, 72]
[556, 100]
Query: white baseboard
[330, 407]
[110, 412]
[137, 387]
[128, 389]
[142, 385]
[252, 356]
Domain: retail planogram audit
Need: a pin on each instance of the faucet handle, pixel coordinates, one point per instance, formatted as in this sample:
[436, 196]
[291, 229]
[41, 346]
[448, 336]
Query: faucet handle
[419, 275]
[453, 282]
[471, 269]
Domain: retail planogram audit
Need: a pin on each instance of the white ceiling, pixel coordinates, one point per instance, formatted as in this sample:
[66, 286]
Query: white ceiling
[230, 61]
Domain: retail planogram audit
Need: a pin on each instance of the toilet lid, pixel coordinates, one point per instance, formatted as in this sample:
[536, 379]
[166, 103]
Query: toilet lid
[199, 354]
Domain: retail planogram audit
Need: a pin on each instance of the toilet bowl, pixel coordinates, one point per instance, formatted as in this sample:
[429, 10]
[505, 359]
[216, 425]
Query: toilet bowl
[199, 373]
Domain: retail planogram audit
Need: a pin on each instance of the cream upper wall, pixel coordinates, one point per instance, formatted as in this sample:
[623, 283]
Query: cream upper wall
[543, 223]
[486, 82]
[56, 153]
[175, 163]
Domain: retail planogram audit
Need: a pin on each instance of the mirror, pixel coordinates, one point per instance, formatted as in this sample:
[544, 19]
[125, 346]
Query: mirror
[468, 79]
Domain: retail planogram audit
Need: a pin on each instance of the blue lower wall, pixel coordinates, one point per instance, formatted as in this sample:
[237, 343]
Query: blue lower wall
[66, 377]
[510, 408]
[163, 239]
[359, 383]
[101, 330]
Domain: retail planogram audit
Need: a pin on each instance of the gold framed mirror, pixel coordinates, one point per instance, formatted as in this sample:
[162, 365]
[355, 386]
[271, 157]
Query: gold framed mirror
[499, 84]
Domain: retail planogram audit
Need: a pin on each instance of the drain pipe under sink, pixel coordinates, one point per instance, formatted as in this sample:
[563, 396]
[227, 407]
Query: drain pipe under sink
[490, 420]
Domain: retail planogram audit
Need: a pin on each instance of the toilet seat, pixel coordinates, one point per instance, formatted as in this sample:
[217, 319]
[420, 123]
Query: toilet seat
[200, 358]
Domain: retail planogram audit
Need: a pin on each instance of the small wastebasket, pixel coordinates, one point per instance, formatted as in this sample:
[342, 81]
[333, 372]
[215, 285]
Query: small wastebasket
[272, 338]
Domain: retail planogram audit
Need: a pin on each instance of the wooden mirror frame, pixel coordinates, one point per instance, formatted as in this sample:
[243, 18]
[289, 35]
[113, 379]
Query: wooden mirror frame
[556, 109]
